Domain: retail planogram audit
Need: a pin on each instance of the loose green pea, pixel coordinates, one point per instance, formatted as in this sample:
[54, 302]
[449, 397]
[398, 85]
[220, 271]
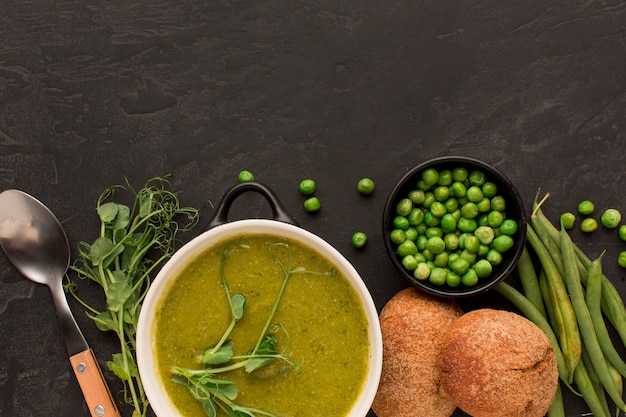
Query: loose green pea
[421, 228]
[469, 210]
[611, 218]
[416, 216]
[451, 204]
[459, 174]
[483, 250]
[622, 232]
[494, 257]
[400, 222]
[435, 245]
[420, 242]
[448, 223]
[441, 259]
[438, 209]
[397, 236]
[422, 272]
[474, 194]
[621, 259]
[365, 186]
[430, 176]
[245, 176]
[411, 233]
[421, 185]
[452, 279]
[467, 225]
[404, 207]
[476, 177]
[417, 196]
[445, 177]
[312, 204]
[359, 239]
[409, 262]
[459, 265]
[458, 189]
[307, 187]
[483, 268]
[484, 205]
[503, 243]
[451, 240]
[495, 218]
[430, 219]
[429, 199]
[508, 227]
[438, 276]
[481, 220]
[568, 219]
[586, 207]
[407, 247]
[472, 244]
[434, 232]
[498, 203]
[470, 278]
[588, 225]
[484, 234]
[469, 256]
[489, 189]
[442, 193]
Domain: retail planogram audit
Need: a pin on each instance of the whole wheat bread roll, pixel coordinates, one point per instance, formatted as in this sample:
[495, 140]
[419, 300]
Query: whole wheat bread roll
[413, 326]
[498, 364]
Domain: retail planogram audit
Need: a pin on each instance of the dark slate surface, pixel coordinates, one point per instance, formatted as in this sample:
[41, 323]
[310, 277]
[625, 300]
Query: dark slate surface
[94, 91]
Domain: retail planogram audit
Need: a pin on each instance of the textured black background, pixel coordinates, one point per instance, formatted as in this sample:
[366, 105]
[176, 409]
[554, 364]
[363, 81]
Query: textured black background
[94, 91]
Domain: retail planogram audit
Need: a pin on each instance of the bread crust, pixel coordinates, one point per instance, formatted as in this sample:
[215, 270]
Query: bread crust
[413, 327]
[497, 363]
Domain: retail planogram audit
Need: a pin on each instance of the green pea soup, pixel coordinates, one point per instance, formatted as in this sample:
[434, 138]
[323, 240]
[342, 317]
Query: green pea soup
[320, 324]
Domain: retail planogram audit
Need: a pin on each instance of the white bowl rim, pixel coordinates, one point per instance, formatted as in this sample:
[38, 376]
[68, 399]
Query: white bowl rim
[157, 396]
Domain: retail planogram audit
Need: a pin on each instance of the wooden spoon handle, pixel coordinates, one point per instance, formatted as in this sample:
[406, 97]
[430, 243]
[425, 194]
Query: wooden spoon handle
[94, 386]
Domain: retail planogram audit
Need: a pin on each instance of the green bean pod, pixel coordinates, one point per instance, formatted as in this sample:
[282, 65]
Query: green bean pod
[544, 235]
[557, 408]
[612, 303]
[529, 281]
[593, 298]
[587, 331]
[588, 380]
[530, 311]
[571, 343]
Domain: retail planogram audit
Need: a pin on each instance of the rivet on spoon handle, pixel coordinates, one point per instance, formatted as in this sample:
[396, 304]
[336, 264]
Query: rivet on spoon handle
[94, 387]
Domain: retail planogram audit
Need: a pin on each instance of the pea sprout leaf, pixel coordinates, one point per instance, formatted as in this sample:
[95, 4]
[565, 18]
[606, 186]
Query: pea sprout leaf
[107, 212]
[100, 249]
[223, 354]
[118, 293]
[122, 219]
[238, 306]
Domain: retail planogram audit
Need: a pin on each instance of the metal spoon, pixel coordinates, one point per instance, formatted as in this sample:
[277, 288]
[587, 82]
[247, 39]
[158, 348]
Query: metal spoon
[36, 244]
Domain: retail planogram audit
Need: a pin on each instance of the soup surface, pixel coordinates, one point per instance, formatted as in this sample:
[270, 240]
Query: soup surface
[320, 324]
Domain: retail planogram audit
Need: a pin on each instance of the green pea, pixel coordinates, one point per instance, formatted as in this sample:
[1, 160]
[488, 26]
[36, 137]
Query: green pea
[435, 245]
[498, 203]
[445, 177]
[442, 193]
[397, 236]
[448, 223]
[483, 250]
[458, 189]
[503, 243]
[420, 242]
[474, 194]
[467, 225]
[451, 240]
[416, 216]
[429, 199]
[359, 239]
[481, 220]
[411, 233]
[245, 176]
[459, 174]
[419, 257]
[451, 204]
[489, 189]
[434, 232]
[567, 220]
[421, 228]
[483, 268]
[588, 225]
[441, 259]
[452, 279]
[438, 209]
[508, 227]
[417, 196]
[430, 219]
[622, 232]
[469, 210]
[468, 256]
[456, 214]
[407, 247]
[404, 207]
[495, 218]
[621, 259]
[438, 276]
[421, 185]
[470, 278]
[459, 265]
[484, 205]
[611, 218]
[422, 271]
[476, 177]
[312, 204]
[494, 257]
[586, 207]
[429, 257]
[430, 176]
[472, 244]
[409, 263]
[453, 257]
[365, 186]
[484, 234]
[307, 187]
[400, 222]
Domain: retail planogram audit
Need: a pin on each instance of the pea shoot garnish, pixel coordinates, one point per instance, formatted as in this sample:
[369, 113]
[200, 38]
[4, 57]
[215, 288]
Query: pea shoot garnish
[133, 243]
[208, 384]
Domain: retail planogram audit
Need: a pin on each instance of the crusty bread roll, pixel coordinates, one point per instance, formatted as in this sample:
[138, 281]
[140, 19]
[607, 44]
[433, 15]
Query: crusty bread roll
[497, 363]
[413, 326]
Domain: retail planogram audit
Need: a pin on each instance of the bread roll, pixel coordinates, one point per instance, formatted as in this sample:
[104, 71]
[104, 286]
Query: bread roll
[498, 364]
[413, 327]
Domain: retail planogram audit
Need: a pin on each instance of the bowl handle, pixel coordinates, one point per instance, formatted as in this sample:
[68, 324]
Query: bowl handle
[221, 211]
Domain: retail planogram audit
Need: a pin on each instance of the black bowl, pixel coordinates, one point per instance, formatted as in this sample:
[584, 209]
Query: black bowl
[514, 210]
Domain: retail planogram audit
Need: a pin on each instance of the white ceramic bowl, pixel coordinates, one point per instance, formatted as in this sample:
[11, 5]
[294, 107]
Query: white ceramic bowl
[154, 388]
